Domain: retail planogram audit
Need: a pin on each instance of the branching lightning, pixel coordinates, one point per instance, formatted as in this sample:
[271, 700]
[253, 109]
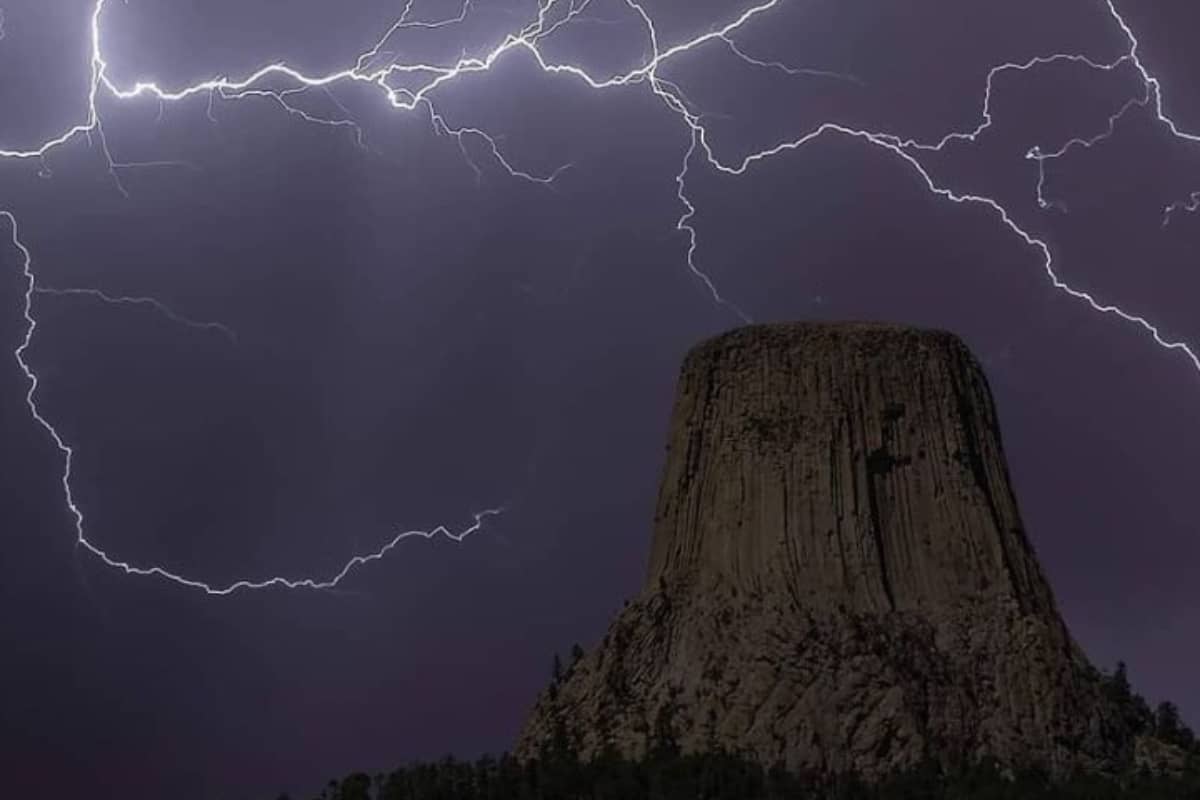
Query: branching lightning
[128, 568]
[784, 68]
[379, 68]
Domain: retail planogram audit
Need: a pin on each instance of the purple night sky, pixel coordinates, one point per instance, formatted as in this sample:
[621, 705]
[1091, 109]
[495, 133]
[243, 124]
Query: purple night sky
[326, 320]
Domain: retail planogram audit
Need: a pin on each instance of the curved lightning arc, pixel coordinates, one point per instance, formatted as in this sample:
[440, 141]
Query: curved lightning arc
[378, 67]
[131, 569]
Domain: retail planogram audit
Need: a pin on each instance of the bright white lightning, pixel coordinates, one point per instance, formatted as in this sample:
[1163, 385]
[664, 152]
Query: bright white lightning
[157, 305]
[378, 67]
[128, 568]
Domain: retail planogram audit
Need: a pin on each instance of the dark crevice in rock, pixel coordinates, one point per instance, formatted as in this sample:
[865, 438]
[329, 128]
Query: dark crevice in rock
[876, 524]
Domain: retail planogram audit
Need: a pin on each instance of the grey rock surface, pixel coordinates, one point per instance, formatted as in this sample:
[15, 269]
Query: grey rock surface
[839, 578]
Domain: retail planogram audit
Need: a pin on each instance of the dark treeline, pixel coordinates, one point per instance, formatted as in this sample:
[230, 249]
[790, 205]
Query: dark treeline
[666, 773]
[718, 776]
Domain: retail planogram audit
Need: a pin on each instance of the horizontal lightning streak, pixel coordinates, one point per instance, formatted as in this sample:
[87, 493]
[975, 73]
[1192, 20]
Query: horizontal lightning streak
[986, 119]
[785, 69]
[154, 303]
[289, 583]
[378, 67]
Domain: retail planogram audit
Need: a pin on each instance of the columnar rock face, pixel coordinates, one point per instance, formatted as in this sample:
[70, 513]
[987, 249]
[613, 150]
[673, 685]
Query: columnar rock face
[839, 578]
[854, 465]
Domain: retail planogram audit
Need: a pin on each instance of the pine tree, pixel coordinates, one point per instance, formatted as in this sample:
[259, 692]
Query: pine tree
[1119, 684]
[1169, 726]
[557, 673]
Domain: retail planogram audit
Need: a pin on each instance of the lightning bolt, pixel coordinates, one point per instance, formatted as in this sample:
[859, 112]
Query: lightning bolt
[154, 303]
[128, 568]
[785, 69]
[380, 68]
[1036, 154]
[1190, 206]
[905, 149]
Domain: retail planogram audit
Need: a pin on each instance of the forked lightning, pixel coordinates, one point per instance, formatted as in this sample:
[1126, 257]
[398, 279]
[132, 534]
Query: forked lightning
[379, 68]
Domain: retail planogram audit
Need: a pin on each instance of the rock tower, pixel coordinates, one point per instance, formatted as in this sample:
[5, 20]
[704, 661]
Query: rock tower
[839, 579]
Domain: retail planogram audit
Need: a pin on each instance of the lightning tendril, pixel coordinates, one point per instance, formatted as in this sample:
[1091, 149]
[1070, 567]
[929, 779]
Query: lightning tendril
[379, 68]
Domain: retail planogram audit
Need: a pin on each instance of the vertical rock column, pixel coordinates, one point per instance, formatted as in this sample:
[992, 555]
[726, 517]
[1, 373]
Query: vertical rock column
[847, 464]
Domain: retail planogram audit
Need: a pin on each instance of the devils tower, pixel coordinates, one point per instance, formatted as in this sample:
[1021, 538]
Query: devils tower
[839, 579]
